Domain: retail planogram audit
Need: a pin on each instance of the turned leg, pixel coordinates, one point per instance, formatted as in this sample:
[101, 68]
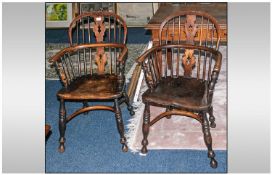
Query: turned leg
[168, 109]
[62, 125]
[145, 128]
[208, 139]
[120, 125]
[129, 106]
[212, 118]
[85, 104]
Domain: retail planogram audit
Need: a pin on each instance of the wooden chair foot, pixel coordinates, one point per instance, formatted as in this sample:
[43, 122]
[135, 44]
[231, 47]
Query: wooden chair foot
[61, 145]
[144, 150]
[213, 163]
[124, 148]
[61, 148]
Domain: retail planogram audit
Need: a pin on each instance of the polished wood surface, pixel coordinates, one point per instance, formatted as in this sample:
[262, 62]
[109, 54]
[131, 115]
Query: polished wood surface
[181, 93]
[217, 10]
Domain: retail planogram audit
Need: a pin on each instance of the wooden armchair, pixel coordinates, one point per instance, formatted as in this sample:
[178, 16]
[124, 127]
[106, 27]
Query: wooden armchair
[189, 94]
[182, 71]
[88, 74]
[92, 68]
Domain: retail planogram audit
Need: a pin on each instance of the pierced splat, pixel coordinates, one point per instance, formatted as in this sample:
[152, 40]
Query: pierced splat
[190, 28]
[99, 31]
[101, 60]
[188, 62]
[99, 28]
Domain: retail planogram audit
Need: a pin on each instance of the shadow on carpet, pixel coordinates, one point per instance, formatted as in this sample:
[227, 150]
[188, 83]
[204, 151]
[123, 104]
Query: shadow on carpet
[92, 146]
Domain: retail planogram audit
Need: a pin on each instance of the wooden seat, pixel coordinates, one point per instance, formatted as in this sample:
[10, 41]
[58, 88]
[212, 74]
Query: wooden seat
[92, 87]
[181, 92]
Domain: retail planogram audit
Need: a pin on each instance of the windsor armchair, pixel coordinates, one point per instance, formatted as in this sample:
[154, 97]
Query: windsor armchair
[84, 81]
[92, 68]
[181, 76]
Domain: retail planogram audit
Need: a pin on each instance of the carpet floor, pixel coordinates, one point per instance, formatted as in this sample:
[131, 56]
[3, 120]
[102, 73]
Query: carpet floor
[92, 146]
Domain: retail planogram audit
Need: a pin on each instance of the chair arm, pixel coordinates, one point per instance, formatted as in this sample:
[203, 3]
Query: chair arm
[71, 49]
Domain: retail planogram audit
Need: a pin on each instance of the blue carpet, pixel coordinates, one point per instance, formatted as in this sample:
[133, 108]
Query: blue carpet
[92, 146]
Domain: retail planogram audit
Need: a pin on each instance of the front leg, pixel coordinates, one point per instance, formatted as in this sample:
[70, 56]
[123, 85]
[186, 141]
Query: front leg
[145, 128]
[120, 125]
[62, 125]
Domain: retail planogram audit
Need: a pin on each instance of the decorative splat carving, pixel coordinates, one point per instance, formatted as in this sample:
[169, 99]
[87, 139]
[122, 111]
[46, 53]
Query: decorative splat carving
[99, 28]
[188, 62]
[101, 60]
[190, 28]
[99, 31]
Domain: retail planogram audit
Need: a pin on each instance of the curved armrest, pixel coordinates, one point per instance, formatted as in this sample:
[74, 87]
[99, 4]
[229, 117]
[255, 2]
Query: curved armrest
[72, 49]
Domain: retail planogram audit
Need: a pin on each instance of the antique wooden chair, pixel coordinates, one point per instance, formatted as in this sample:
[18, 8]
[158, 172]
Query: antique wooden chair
[181, 73]
[92, 68]
[83, 80]
[98, 27]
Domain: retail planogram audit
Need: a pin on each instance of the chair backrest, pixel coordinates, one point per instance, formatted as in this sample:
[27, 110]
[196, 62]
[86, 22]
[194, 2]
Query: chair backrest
[193, 27]
[186, 60]
[90, 60]
[97, 27]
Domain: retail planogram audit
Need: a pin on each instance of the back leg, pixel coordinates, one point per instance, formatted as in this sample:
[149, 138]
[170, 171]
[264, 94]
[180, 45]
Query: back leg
[212, 118]
[129, 106]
